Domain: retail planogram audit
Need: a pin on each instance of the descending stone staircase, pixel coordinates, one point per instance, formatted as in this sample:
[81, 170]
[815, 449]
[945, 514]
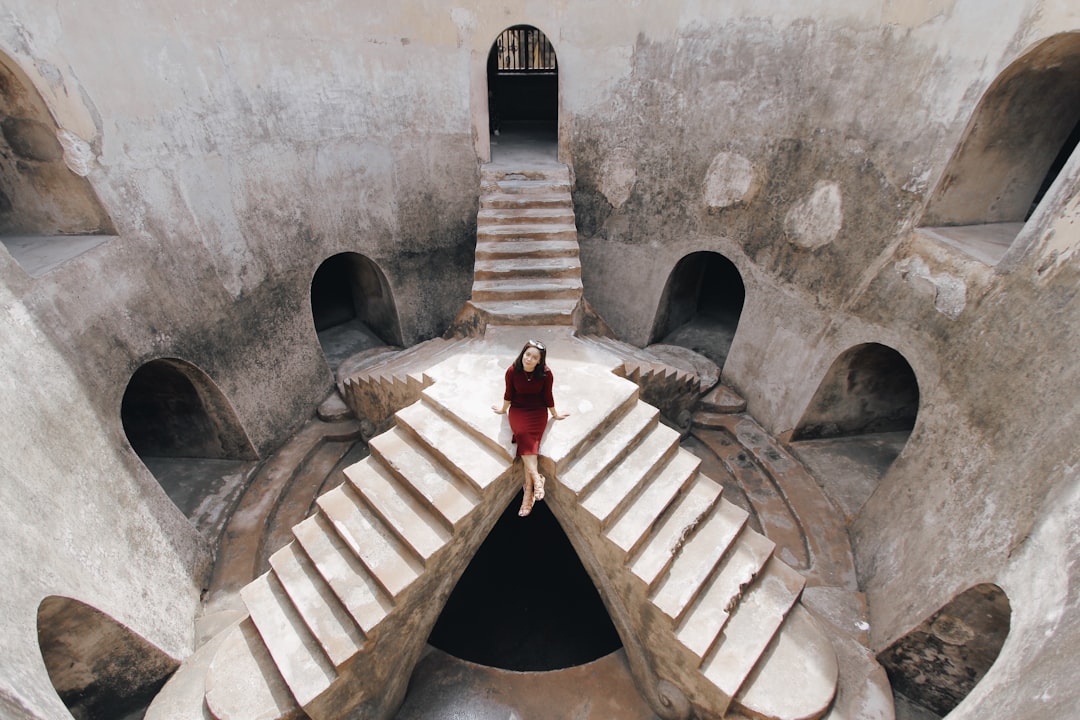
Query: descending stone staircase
[527, 268]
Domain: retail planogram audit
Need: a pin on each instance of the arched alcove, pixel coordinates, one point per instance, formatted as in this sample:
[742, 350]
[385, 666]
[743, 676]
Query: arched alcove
[523, 93]
[186, 432]
[1024, 129]
[48, 213]
[701, 305]
[525, 602]
[101, 669]
[937, 664]
[352, 307]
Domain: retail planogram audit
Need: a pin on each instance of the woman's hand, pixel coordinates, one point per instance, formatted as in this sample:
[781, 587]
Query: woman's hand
[560, 416]
[499, 409]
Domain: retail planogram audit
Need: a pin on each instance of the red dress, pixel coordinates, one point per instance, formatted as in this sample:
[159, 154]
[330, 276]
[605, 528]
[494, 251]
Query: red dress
[530, 397]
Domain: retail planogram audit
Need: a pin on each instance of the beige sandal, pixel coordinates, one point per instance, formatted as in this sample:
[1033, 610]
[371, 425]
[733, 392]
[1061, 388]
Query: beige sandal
[538, 487]
[528, 496]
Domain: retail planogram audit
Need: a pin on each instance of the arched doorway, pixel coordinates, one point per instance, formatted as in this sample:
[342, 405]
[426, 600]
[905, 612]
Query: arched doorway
[188, 435]
[352, 307]
[701, 305]
[1023, 131]
[42, 199]
[523, 95]
[939, 663]
[100, 668]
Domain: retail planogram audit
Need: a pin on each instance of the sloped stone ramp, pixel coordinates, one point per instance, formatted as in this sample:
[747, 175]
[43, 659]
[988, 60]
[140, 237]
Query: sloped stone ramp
[708, 614]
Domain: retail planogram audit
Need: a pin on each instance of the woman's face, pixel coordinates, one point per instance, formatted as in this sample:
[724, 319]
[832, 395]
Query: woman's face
[530, 359]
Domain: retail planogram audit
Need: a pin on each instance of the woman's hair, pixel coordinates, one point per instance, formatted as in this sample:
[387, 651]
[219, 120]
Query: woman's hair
[541, 366]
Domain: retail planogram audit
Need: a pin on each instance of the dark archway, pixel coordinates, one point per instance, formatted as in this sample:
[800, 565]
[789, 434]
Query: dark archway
[523, 91]
[101, 669]
[41, 199]
[352, 307]
[701, 305]
[518, 607]
[1022, 132]
[937, 664]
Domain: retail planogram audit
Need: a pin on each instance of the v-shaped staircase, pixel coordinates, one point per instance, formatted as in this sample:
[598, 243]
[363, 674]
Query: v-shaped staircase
[708, 614]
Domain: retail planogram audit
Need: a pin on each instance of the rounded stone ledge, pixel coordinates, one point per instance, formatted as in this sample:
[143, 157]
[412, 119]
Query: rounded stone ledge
[800, 675]
[731, 180]
[722, 400]
[243, 683]
[334, 409]
[677, 356]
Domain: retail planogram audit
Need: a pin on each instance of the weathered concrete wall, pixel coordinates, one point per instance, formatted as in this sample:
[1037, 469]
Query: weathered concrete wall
[236, 147]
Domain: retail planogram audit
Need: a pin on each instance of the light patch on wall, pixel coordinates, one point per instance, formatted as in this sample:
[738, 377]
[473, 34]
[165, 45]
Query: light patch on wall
[618, 177]
[949, 291]
[731, 180]
[1063, 240]
[816, 220]
[77, 152]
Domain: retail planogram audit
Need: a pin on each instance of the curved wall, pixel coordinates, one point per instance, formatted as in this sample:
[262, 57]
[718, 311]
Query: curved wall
[235, 148]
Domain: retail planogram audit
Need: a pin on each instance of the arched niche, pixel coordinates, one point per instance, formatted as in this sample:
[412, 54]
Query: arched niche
[1024, 129]
[188, 435]
[352, 307]
[937, 664]
[522, 93]
[520, 609]
[99, 668]
[48, 213]
[701, 305]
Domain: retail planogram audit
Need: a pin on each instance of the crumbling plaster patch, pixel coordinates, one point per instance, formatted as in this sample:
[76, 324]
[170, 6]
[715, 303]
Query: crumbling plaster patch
[815, 220]
[949, 291]
[730, 180]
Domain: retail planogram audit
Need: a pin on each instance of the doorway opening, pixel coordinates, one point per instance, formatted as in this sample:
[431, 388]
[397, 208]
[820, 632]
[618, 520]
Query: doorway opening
[352, 307]
[523, 96]
[525, 602]
[701, 306]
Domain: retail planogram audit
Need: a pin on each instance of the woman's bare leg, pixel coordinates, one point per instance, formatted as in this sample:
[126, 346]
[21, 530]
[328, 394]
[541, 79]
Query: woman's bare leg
[527, 488]
[533, 473]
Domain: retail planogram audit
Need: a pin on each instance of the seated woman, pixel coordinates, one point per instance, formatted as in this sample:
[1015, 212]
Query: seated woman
[529, 399]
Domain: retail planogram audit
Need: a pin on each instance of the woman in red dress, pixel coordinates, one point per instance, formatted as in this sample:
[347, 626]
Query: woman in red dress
[529, 400]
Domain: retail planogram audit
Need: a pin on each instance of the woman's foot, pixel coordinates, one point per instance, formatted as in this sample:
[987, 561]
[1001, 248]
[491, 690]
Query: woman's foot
[527, 496]
[538, 487]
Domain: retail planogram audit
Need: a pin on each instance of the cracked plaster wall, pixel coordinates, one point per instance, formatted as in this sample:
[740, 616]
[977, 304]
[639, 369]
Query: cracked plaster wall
[236, 147]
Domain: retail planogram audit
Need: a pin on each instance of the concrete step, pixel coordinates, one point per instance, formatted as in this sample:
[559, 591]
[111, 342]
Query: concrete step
[552, 231]
[326, 618]
[533, 200]
[699, 557]
[389, 561]
[519, 215]
[528, 312]
[413, 522]
[620, 439]
[635, 522]
[702, 623]
[242, 681]
[514, 248]
[569, 288]
[296, 653]
[422, 474]
[651, 559]
[527, 267]
[750, 628]
[466, 455]
[609, 494]
[364, 599]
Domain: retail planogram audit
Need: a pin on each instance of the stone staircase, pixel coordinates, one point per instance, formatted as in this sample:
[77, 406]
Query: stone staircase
[527, 268]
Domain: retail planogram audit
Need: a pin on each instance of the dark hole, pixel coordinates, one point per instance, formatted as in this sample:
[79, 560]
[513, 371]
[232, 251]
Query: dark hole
[525, 602]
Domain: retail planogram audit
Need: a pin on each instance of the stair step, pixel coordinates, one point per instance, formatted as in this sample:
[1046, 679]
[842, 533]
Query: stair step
[529, 312]
[316, 602]
[525, 187]
[659, 550]
[699, 557]
[527, 267]
[412, 521]
[632, 527]
[495, 233]
[468, 457]
[602, 456]
[619, 487]
[296, 653]
[514, 248]
[390, 562]
[738, 568]
[452, 498]
[527, 289]
[750, 628]
[525, 216]
[537, 199]
[351, 582]
[242, 682]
